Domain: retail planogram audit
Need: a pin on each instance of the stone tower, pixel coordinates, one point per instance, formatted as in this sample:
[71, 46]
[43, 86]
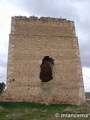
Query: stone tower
[44, 62]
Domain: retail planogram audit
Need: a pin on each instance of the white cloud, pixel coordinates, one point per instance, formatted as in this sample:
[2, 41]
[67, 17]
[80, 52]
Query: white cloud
[7, 10]
[86, 77]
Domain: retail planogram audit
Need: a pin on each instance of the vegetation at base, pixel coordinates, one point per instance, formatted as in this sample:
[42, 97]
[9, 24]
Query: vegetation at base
[37, 111]
[2, 87]
[87, 94]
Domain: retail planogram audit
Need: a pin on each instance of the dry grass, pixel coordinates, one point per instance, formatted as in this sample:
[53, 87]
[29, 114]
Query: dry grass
[2, 109]
[14, 116]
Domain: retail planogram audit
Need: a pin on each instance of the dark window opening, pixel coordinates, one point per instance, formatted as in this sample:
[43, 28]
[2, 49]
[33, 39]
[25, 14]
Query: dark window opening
[46, 73]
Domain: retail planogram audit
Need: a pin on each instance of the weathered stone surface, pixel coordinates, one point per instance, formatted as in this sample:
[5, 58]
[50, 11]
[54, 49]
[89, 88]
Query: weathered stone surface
[31, 39]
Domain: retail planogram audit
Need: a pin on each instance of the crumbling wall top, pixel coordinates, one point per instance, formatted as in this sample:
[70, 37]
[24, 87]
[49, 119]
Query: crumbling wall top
[47, 19]
[42, 26]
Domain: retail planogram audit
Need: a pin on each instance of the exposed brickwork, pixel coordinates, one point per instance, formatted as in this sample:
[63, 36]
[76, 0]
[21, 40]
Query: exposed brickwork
[31, 39]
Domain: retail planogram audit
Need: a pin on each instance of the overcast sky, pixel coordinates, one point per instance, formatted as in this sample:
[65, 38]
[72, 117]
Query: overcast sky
[76, 10]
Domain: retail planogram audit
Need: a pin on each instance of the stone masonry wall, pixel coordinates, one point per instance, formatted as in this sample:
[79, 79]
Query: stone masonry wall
[31, 39]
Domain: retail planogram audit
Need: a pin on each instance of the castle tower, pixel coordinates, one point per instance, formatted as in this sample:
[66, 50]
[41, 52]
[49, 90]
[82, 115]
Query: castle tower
[44, 62]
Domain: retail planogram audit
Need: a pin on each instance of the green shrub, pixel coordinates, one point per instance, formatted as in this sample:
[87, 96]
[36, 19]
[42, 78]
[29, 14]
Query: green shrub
[2, 87]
